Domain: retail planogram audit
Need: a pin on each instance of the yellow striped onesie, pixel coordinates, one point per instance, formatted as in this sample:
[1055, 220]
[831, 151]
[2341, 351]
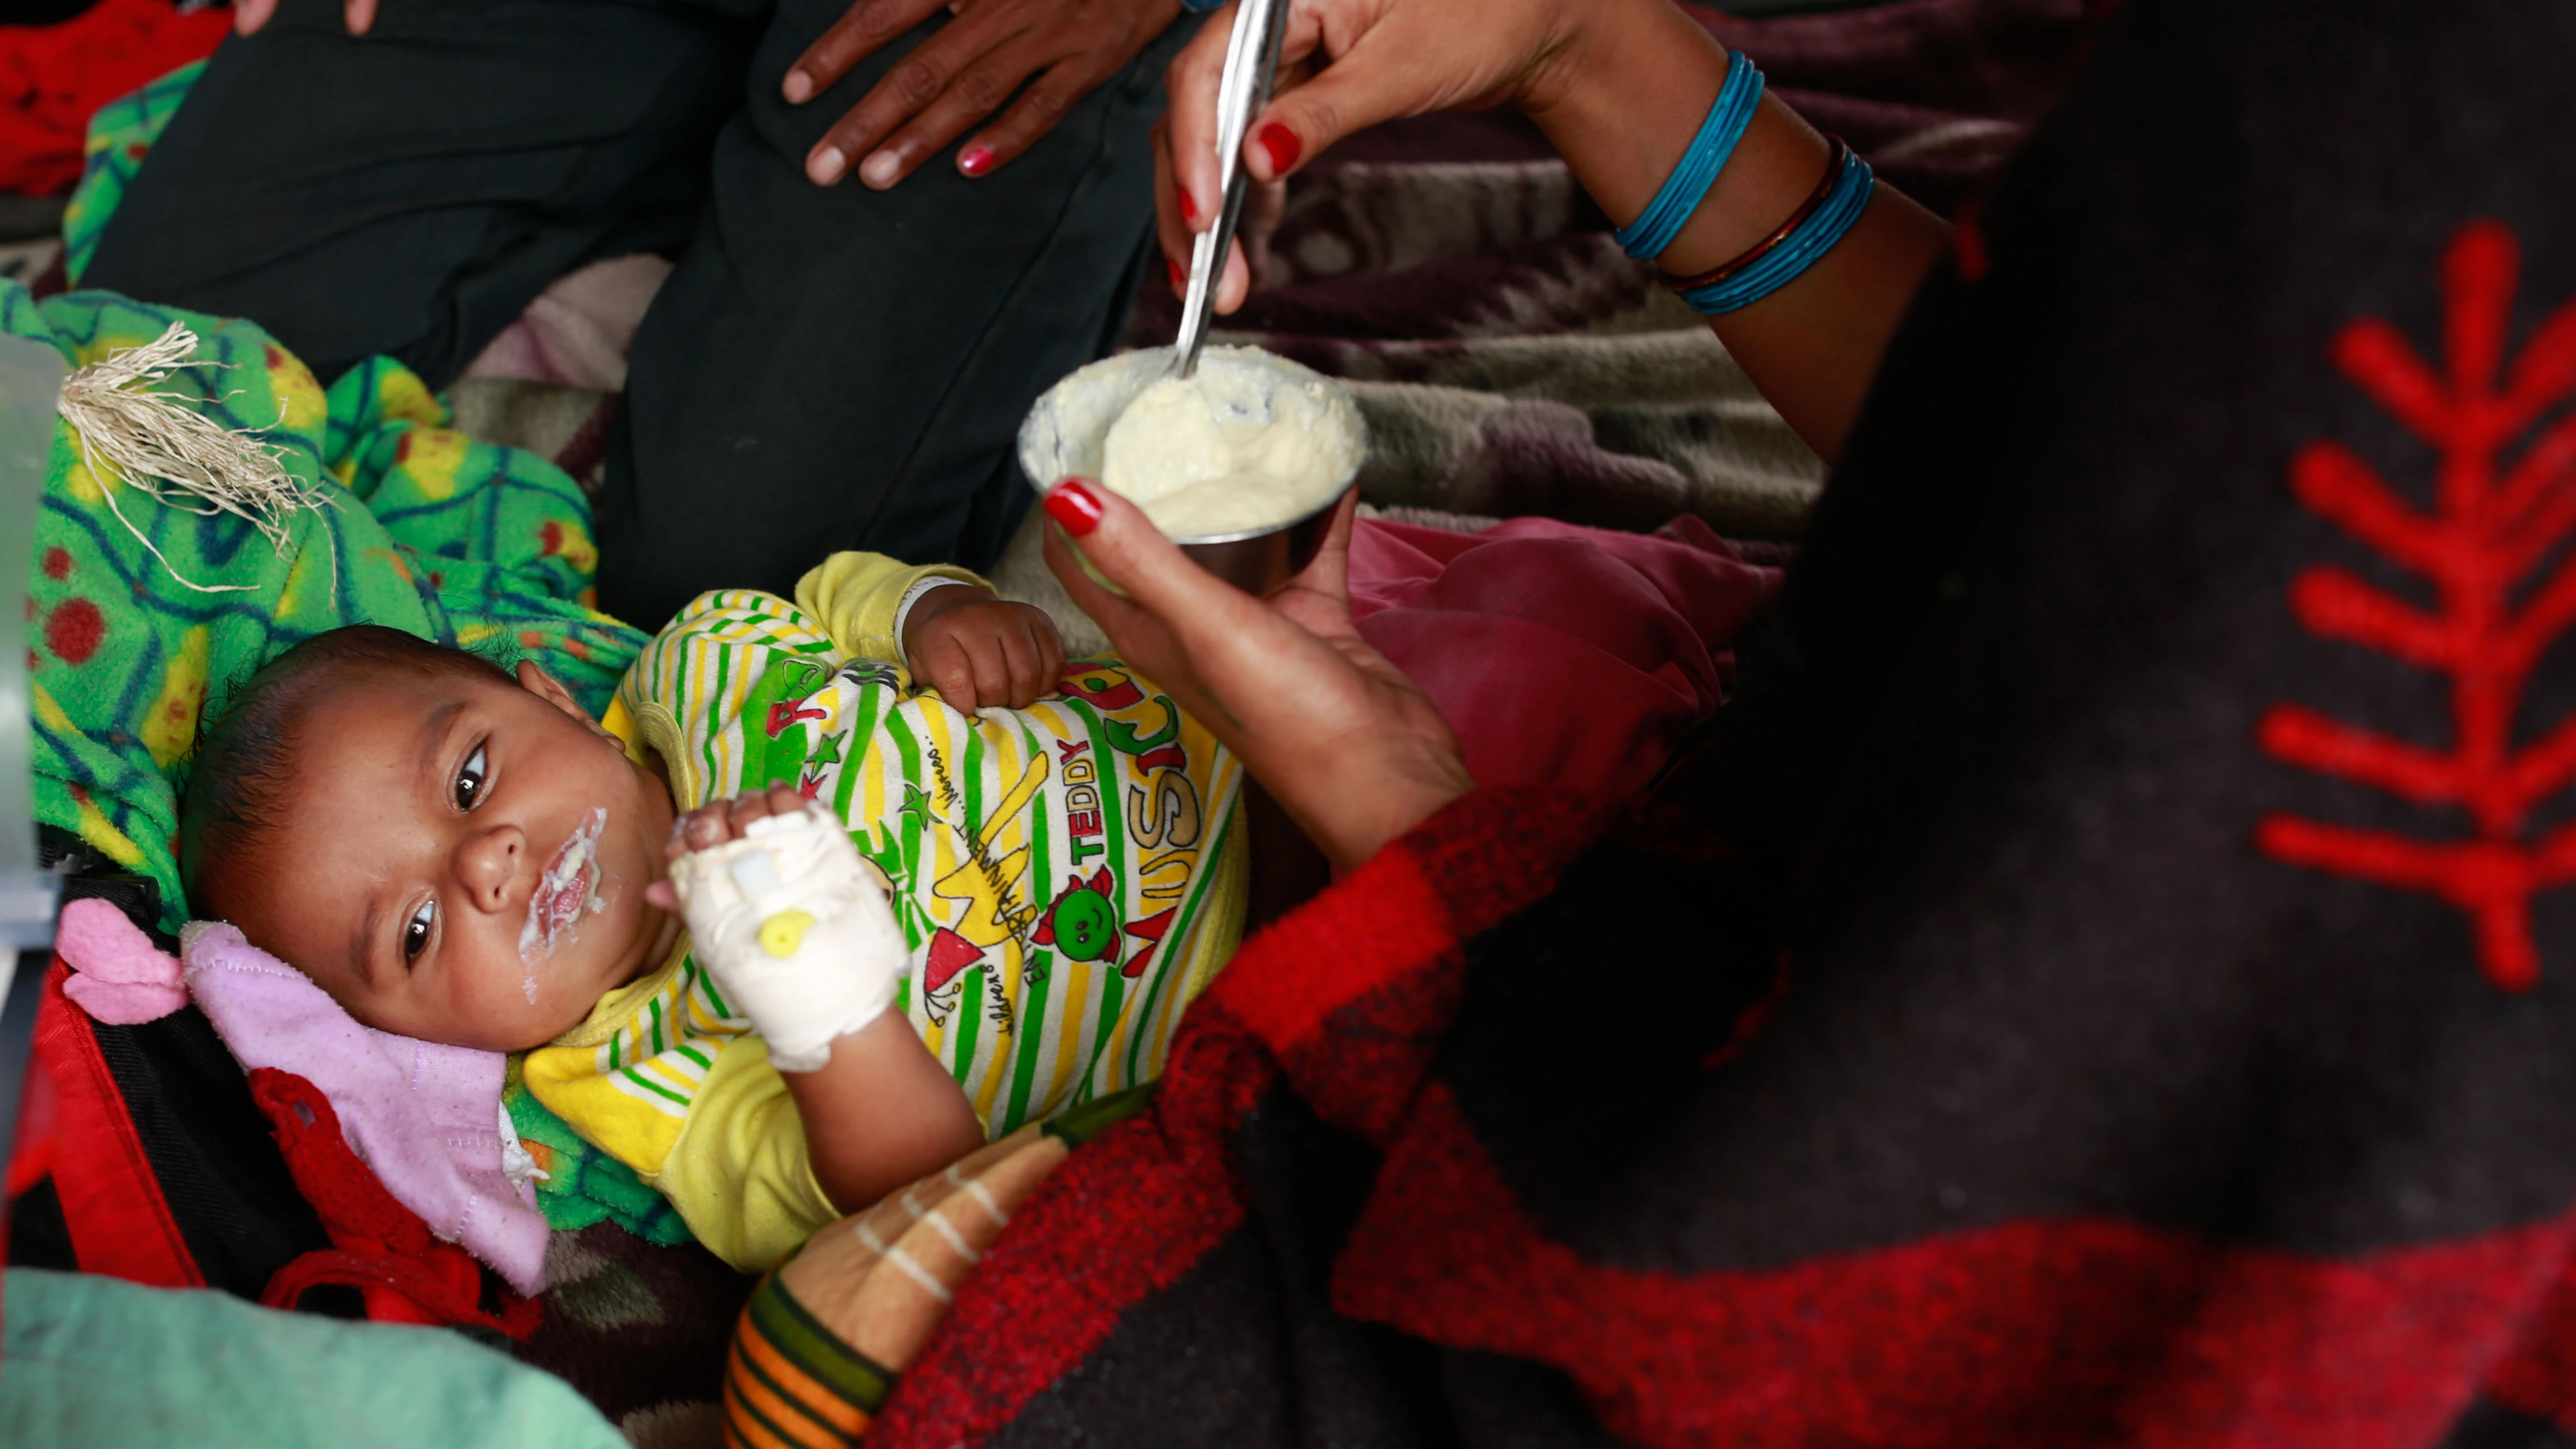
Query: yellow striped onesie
[1069, 875]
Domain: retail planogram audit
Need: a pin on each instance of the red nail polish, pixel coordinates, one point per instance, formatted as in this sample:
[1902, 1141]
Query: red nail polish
[1074, 507]
[1189, 208]
[1178, 276]
[975, 160]
[1282, 144]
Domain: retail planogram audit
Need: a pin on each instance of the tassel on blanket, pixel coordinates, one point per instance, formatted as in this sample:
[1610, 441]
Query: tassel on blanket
[161, 445]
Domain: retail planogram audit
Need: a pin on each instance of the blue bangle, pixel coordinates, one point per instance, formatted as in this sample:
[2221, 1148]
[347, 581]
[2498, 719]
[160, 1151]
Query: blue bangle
[1796, 252]
[1200, 7]
[1656, 226]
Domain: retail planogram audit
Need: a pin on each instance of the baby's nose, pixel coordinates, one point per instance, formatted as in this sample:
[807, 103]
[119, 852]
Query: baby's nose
[491, 863]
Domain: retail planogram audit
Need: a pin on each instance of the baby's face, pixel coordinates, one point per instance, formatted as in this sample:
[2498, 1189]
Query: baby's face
[442, 872]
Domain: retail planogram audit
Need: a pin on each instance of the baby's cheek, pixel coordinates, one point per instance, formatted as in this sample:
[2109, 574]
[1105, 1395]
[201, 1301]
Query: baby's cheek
[489, 997]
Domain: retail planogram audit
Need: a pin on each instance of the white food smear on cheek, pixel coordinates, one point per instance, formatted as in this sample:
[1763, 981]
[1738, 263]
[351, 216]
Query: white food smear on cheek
[1234, 448]
[554, 908]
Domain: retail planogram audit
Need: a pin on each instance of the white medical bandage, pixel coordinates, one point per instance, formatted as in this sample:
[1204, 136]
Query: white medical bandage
[791, 925]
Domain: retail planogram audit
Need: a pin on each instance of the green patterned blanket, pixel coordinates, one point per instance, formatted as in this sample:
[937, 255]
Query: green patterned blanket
[433, 532]
[430, 531]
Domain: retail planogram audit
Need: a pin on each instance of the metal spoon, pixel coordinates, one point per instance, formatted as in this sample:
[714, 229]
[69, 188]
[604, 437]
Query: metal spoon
[1251, 63]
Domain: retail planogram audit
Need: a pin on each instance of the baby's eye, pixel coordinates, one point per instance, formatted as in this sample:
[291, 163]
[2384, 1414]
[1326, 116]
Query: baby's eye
[469, 780]
[416, 930]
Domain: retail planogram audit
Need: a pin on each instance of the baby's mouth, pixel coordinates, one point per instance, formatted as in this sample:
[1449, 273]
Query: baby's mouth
[567, 891]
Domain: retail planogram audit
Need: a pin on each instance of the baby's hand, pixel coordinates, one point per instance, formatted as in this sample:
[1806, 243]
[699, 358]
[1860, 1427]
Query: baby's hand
[786, 917]
[979, 650]
[712, 825]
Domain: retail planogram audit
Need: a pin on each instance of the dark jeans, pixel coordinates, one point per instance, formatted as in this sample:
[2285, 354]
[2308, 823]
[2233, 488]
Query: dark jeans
[829, 368]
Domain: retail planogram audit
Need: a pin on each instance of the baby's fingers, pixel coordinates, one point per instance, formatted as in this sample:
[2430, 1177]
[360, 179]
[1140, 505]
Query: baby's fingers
[718, 821]
[992, 663]
[949, 670]
[704, 828]
[1050, 659]
[751, 805]
[1022, 663]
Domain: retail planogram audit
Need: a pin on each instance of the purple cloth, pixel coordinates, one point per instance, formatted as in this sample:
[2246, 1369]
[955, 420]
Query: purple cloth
[425, 1118]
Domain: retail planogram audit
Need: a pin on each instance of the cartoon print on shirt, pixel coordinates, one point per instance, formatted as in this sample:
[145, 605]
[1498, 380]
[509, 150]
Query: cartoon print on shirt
[1082, 922]
[1151, 930]
[784, 701]
[1111, 692]
[983, 897]
[1164, 820]
[950, 956]
[821, 765]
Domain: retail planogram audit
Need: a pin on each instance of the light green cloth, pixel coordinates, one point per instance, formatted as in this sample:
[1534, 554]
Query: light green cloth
[100, 1363]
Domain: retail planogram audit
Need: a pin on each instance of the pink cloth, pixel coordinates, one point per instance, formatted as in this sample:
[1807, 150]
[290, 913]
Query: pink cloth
[425, 1118]
[1561, 655]
[118, 975]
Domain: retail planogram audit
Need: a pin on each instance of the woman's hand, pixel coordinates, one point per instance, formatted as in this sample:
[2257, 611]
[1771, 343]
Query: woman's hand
[1388, 58]
[960, 75]
[1353, 751]
[250, 15]
[1620, 87]
[1265, 204]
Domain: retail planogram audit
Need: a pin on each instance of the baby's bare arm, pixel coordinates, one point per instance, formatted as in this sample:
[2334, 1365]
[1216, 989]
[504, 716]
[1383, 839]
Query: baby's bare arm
[880, 1110]
[883, 1112]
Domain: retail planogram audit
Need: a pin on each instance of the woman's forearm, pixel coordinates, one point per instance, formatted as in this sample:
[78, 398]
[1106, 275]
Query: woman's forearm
[1621, 95]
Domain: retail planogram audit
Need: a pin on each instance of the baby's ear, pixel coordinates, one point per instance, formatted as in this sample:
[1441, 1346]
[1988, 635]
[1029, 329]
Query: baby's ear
[536, 681]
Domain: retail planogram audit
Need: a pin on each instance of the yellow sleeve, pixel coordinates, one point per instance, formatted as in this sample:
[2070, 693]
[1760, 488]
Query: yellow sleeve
[852, 597]
[739, 1173]
[661, 1077]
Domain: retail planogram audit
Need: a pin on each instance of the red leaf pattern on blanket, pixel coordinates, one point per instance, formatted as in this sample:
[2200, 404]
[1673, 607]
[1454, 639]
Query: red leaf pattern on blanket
[2496, 521]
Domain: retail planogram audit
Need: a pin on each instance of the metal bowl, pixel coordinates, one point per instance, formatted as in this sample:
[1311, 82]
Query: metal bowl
[1067, 429]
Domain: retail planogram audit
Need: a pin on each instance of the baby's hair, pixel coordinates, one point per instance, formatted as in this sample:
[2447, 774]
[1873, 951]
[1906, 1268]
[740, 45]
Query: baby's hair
[232, 802]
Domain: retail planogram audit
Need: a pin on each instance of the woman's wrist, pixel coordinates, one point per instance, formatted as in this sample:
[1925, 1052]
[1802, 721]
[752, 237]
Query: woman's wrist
[1362, 814]
[1622, 89]
[1621, 94]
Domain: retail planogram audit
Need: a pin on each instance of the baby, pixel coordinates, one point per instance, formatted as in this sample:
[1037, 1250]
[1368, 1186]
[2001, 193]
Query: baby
[782, 931]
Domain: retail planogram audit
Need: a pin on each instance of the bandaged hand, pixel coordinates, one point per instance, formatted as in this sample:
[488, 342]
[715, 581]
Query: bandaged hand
[788, 920]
